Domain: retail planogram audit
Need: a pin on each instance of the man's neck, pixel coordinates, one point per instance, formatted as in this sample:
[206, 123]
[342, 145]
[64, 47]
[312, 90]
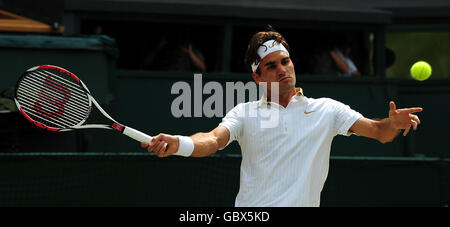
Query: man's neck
[284, 98]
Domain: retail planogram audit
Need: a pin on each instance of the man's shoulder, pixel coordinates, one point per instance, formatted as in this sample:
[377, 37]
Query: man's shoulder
[323, 104]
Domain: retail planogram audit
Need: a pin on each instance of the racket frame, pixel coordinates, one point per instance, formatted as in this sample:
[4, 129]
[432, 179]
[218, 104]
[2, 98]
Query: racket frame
[133, 133]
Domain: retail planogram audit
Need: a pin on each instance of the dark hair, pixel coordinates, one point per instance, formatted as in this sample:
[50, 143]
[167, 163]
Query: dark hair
[251, 55]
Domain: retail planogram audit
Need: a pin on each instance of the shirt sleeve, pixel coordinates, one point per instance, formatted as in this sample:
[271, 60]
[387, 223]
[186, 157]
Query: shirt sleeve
[345, 117]
[351, 66]
[233, 121]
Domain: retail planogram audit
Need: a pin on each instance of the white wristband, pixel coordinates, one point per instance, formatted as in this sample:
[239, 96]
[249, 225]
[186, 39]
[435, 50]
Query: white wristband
[185, 147]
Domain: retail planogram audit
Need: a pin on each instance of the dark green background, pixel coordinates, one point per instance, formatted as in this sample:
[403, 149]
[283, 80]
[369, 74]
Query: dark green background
[103, 168]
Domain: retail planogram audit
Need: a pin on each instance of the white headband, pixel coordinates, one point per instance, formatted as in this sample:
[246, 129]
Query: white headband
[267, 48]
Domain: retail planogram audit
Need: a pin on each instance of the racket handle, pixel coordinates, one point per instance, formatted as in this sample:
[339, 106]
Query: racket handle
[137, 135]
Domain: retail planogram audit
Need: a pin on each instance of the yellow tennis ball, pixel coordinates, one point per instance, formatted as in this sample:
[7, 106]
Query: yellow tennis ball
[421, 71]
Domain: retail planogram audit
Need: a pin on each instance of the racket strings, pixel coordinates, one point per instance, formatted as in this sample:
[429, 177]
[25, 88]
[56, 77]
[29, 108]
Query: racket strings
[50, 95]
[48, 91]
[62, 116]
[58, 76]
[60, 119]
[53, 82]
[45, 111]
[51, 99]
[48, 122]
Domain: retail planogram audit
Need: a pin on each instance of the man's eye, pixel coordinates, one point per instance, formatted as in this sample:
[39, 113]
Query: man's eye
[271, 67]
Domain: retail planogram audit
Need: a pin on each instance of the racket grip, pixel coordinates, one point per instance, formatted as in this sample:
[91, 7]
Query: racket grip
[137, 135]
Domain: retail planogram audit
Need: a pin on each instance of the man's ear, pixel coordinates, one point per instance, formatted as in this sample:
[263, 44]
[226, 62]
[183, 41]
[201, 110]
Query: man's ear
[256, 77]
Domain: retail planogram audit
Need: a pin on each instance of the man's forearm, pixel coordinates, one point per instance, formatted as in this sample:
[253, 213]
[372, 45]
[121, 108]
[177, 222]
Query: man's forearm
[205, 144]
[386, 132]
[198, 145]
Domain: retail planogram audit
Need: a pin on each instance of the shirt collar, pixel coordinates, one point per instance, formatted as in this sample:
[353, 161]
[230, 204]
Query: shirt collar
[263, 100]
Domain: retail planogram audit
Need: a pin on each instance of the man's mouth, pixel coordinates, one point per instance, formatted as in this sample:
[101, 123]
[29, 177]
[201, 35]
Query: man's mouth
[284, 78]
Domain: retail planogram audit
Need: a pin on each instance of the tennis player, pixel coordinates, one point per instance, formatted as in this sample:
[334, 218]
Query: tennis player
[287, 164]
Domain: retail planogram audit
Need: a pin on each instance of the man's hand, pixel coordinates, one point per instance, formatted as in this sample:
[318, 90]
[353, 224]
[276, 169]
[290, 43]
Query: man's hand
[404, 118]
[159, 147]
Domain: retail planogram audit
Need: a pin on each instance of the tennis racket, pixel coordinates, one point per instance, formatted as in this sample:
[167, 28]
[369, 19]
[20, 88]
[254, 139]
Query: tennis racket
[54, 99]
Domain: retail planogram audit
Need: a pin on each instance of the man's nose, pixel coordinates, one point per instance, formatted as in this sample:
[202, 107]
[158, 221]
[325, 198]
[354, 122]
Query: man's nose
[281, 69]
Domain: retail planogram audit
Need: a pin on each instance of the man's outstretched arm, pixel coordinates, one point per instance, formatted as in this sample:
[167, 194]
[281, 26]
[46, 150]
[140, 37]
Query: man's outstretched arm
[204, 144]
[387, 129]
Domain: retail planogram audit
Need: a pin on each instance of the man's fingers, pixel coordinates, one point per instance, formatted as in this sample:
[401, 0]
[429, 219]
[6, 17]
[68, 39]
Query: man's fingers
[152, 145]
[392, 106]
[158, 137]
[165, 150]
[393, 109]
[150, 148]
[160, 148]
[156, 147]
[406, 131]
[414, 124]
[415, 118]
[410, 110]
[160, 144]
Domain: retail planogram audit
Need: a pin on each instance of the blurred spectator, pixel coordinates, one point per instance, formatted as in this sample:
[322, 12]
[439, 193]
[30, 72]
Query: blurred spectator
[322, 63]
[175, 52]
[341, 57]
[7, 100]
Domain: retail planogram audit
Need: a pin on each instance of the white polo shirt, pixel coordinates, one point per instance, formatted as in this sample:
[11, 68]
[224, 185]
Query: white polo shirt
[285, 151]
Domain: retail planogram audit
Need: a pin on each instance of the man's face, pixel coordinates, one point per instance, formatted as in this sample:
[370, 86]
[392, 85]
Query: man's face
[277, 67]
